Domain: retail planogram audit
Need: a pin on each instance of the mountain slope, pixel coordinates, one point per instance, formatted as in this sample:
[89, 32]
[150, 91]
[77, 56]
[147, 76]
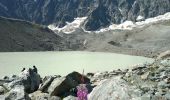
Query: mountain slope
[146, 41]
[17, 35]
[100, 13]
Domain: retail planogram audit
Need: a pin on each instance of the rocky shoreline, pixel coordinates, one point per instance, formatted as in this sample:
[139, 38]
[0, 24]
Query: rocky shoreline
[149, 81]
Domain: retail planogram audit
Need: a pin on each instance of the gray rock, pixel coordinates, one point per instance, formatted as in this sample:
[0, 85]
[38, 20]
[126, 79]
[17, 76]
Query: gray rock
[17, 93]
[60, 86]
[70, 98]
[30, 82]
[38, 95]
[2, 90]
[145, 76]
[164, 55]
[113, 89]
[55, 98]
[167, 96]
[2, 97]
[146, 97]
[163, 84]
[44, 86]
[166, 62]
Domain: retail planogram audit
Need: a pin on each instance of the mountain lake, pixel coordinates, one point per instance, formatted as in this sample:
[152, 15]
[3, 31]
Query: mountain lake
[64, 62]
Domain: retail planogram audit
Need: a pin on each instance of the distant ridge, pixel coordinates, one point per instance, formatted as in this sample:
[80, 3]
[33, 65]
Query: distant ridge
[19, 35]
[99, 13]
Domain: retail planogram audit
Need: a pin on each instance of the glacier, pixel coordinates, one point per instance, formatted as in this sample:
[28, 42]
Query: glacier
[127, 25]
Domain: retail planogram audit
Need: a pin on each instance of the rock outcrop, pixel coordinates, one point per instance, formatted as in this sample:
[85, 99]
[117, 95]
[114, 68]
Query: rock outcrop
[30, 81]
[2, 90]
[146, 81]
[18, 88]
[61, 86]
[17, 93]
[114, 89]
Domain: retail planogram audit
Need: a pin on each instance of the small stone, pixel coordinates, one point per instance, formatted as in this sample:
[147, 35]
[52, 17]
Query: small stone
[167, 80]
[146, 97]
[90, 74]
[6, 78]
[2, 90]
[167, 96]
[162, 84]
[145, 76]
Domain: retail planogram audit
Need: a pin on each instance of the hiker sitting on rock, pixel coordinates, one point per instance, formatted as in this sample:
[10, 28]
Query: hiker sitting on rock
[22, 69]
[35, 69]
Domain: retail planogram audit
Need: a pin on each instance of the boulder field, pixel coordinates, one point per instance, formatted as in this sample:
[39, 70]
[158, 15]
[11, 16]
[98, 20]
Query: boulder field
[148, 81]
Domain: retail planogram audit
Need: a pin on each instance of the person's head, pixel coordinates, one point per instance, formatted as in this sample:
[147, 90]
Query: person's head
[34, 67]
[23, 68]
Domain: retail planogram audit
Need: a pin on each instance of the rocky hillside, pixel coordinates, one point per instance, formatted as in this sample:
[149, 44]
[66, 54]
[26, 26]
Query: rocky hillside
[148, 81]
[17, 35]
[148, 41]
[100, 13]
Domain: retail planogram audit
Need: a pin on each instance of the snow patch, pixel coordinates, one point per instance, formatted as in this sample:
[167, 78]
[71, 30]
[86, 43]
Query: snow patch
[129, 25]
[139, 18]
[70, 27]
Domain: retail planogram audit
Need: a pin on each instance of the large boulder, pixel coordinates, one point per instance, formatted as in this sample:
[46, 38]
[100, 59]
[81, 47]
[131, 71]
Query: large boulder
[114, 89]
[78, 77]
[17, 93]
[46, 83]
[164, 55]
[30, 81]
[38, 95]
[2, 97]
[63, 85]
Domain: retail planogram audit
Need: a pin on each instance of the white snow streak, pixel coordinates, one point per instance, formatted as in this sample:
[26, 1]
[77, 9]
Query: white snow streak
[70, 27]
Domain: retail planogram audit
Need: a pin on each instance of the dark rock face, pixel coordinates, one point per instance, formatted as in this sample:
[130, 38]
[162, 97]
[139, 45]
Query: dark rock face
[100, 13]
[78, 77]
[17, 93]
[30, 82]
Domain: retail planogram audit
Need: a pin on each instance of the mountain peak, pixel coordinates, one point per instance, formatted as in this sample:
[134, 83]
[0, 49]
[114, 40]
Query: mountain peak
[99, 13]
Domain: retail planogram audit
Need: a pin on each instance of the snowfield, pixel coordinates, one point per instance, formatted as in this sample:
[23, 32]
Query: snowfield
[70, 27]
[127, 25]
